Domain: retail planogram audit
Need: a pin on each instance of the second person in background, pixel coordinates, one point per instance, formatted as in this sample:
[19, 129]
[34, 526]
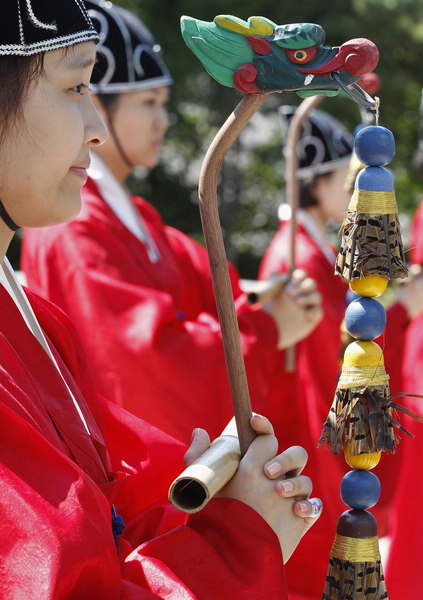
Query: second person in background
[140, 292]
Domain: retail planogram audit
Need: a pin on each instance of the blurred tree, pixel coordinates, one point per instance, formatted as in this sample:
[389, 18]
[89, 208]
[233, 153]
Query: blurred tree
[253, 173]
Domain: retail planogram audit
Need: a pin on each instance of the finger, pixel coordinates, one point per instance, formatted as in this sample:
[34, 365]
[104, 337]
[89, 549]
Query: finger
[200, 442]
[292, 461]
[298, 275]
[310, 510]
[261, 425]
[309, 300]
[313, 314]
[307, 285]
[302, 286]
[295, 487]
[261, 451]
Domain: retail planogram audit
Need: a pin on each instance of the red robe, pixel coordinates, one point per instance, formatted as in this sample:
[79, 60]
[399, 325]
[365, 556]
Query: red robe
[403, 574]
[151, 329]
[300, 401]
[57, 485]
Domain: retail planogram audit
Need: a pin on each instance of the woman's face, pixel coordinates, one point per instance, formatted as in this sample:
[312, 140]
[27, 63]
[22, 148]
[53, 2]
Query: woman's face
[332, 198]
[140, 121]
[44, 158]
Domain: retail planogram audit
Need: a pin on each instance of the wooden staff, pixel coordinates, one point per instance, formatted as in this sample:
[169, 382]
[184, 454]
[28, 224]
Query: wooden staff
[207, 194]
[293, 188]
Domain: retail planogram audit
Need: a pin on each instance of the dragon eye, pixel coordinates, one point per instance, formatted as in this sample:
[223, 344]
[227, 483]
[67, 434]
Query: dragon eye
[302, 56]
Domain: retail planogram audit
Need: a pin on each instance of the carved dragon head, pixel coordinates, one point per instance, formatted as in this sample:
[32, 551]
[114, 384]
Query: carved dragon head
[259, 56]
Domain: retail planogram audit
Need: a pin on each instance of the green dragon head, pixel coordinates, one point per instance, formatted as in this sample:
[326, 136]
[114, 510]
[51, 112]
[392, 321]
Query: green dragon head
[260, 56]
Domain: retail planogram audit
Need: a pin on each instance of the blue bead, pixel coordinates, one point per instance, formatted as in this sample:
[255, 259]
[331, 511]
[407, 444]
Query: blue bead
[374, 146]
[375, 179]
[360, 489]
[365, 318]
[350, 296]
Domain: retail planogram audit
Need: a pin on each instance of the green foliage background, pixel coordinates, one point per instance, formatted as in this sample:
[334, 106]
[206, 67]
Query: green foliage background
[253, 172]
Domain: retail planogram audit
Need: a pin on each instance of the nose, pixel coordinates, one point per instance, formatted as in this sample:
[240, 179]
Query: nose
[163, 119]
[357, 56]
[96, 132]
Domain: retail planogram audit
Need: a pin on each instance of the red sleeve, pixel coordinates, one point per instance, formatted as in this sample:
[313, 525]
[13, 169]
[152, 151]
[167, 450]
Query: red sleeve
[236, 556]
[392, 341]
[155, 350]
[56, 540]
[416, 237]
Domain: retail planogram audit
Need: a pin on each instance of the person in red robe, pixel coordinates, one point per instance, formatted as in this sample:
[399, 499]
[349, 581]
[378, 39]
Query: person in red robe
[140, 292]
[299, 400]
[403, 572]
[83, 482]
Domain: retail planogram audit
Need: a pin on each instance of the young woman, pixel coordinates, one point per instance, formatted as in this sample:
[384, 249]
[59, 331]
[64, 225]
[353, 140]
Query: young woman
[141, 292]
[71, 466]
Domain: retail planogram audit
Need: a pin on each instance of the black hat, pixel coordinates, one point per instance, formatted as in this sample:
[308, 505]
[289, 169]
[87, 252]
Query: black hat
[324, 144]
[128, 57]
[30, 27]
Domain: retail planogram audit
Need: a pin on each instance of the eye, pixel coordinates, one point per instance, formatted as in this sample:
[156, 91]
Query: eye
[80, 89]
[302, 56]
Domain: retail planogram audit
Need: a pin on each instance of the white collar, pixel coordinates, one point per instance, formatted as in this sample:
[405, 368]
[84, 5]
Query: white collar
[12, 285]
[120, 201]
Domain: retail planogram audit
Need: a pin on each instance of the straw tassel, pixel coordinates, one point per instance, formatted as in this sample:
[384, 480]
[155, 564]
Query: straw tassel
[355, 570]
[371, 240]
[371, 233]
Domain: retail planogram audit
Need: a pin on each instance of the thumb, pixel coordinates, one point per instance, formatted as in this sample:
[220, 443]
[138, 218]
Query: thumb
[200, 442]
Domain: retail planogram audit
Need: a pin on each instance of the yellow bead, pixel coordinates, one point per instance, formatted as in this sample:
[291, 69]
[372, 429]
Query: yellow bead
[370, 285]
[363, 354]
[364, 462]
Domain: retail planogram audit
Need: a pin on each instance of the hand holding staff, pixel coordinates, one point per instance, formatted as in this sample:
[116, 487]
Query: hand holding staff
[258, 292]
[236, 58]
[290, 512]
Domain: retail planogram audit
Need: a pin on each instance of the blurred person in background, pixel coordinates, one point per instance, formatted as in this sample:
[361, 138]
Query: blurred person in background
[141, 292]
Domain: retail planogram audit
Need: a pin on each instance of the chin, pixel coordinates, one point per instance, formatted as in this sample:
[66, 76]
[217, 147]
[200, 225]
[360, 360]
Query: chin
[71, 208]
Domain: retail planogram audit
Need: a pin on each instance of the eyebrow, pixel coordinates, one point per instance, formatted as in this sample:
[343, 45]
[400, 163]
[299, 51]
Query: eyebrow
[74, 62]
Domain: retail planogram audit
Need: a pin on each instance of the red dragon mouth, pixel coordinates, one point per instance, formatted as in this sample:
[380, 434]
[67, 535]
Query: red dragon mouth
[357, 57]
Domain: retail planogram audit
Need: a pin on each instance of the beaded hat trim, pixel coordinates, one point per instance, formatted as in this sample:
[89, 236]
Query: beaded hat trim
[325, 144]
[128, 57]
[30, 27]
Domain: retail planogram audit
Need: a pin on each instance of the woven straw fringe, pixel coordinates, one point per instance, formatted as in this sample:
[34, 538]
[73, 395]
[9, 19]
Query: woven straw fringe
[373, 203]
[361, 376]
[363, 418]
[354, 581]
[371, 243]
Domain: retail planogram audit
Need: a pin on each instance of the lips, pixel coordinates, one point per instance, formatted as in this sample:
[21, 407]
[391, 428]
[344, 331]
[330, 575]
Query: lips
[358, 57]
[85, 165]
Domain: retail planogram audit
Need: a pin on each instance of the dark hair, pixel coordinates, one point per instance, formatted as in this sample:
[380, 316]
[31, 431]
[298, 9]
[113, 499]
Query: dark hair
[108, 101]
[16, 75]
[306, 198]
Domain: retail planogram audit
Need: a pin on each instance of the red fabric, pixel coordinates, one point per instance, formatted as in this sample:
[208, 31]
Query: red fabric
[403, 572]
[151, 330]
[299, 404]
[57, 486]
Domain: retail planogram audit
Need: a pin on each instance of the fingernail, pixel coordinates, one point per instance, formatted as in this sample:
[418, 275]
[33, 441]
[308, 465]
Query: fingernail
[195, 434]
[287, 486]
[274, 469]
[303, 507]
[316, 506]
